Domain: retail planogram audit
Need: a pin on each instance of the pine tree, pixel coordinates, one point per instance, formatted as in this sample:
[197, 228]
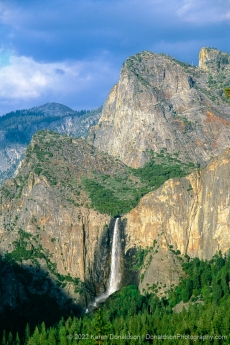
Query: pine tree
[43, 335]
[187, 291]
[27, 333]
[36, 336]
[224, 285]
[52, 337]
[206, 277]
[101, 327]
[17, 340]
[4, 338]
[62, 336]
[75, 326]
[217, 292]
[10, 339]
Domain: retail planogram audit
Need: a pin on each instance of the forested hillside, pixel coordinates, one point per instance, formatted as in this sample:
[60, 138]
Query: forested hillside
[18, 127]
[198, 310]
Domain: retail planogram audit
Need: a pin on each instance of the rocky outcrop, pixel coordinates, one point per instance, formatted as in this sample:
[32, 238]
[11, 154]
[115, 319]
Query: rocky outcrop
[17, 129]
[162, 270]
[45, 218]
[213, 60]
[160, 103]
[67, 233]
[190, 214]
[46, 222]
[10, 156]
[76, 126]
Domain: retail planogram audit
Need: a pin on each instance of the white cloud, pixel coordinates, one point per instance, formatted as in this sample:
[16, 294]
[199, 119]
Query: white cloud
[204, 11]
[4, 13]
[8, 14]
[25, 83]
[24, 78]
[74, 32]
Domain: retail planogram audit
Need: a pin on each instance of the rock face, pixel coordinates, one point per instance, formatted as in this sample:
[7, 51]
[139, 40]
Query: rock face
[76, 126]
[45, 219]
[17, 129]
[10, 157]
[46, 223]
[190, 214]
[162, 270]
[213, 60]
[160, 103]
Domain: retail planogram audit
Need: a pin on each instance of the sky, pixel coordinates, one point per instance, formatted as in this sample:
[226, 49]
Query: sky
[71, 52]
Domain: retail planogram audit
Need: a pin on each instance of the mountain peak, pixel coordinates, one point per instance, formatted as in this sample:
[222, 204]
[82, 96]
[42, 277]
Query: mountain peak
[53, 109]
[160, 104]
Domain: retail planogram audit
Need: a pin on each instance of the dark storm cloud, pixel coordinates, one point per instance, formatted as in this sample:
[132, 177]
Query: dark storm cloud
[78, 29]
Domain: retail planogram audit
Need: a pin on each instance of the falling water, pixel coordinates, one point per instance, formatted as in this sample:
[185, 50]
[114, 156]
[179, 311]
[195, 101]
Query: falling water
[115, 261]
[115, 275]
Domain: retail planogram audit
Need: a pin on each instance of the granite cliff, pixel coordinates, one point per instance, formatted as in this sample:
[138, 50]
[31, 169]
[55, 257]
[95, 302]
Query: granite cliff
[161, 103]
[56, 216]
[190, 216]
[56, 213]
[45, 219]
[17, 129]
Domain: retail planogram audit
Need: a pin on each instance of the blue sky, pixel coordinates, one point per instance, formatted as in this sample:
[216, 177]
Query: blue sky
[71, 51]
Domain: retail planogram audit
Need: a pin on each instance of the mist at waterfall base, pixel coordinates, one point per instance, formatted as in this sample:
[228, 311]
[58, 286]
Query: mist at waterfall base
[115, 275]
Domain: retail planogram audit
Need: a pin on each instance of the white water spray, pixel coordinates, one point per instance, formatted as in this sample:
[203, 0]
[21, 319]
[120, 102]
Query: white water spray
[115, 276]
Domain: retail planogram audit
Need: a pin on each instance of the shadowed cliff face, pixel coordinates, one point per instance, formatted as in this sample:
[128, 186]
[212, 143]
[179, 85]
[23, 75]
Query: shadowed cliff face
[191, 214]
[45, 218]
[161, 103]
[30, 296]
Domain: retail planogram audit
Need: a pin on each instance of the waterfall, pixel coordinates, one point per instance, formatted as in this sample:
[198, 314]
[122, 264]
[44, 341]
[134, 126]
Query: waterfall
[115, 275]
[115, 262]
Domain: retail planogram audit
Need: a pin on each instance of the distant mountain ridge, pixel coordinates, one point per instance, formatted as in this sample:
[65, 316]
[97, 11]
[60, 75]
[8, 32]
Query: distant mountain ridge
[55, 109]
[17, 129]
